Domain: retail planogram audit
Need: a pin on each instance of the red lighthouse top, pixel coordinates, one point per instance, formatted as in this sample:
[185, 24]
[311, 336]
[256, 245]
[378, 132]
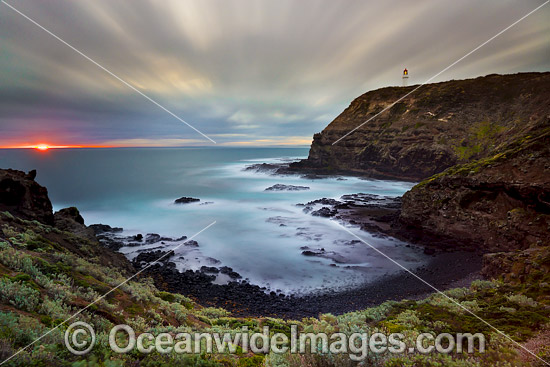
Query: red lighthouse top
[405, 72]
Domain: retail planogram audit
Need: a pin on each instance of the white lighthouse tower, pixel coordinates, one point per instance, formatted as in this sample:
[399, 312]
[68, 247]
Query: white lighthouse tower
[405, 77]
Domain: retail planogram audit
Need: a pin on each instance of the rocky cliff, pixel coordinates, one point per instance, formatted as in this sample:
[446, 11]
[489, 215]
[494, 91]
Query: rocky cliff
[499, 203]
[21, 195]
[481, 147]
[22, 200]
[436, 127]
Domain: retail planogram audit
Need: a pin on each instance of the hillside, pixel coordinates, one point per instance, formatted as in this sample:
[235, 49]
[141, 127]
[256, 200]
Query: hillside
[436, 127]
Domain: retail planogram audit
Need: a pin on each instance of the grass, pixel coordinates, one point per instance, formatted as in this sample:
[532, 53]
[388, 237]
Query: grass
[475, 166]
[481, 140]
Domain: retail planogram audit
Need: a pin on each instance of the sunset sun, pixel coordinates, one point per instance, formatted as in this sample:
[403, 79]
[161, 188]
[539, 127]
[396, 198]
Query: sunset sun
[42, 147]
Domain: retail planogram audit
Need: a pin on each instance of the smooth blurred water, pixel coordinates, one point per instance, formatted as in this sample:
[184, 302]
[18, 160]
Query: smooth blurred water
[135, 189]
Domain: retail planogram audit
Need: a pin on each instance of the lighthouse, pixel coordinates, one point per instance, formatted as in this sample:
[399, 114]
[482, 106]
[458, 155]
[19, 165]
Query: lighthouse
[405, 77]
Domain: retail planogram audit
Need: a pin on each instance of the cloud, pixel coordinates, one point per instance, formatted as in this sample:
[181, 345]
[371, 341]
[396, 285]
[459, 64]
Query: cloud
[268, 68]
[152, 142]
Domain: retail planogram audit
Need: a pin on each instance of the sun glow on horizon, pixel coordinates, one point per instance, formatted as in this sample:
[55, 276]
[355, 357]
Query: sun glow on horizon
[42, 147]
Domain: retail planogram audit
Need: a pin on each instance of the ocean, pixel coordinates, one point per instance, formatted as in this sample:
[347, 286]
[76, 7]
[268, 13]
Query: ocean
[259, 234]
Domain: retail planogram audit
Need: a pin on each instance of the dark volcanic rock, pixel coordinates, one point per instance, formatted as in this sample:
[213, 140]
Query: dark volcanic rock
[281, 187]
[497, 204]
[310, 253]
[70, 220]
[23, 197]
[152, 238]
[324, 212]
[104, 228]
[147, 257]
[71, 213]
[245, 299]
[186, 200]
[324, 201]
[210, 269]
[229, 272]
[264, 167]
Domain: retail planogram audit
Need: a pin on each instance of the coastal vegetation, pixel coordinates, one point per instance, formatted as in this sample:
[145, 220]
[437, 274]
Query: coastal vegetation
[43, 282]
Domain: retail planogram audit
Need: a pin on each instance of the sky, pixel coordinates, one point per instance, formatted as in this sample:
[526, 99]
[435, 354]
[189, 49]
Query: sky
[243, 72]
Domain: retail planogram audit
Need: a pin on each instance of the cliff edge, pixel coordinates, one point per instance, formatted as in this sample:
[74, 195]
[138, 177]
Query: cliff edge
[436, 127]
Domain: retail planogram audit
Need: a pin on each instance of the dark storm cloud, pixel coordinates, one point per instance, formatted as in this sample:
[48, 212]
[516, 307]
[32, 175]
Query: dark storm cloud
[263, 72]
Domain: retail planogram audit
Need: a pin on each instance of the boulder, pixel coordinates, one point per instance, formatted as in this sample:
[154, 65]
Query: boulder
[281, 187]
[23, 197]
[70, 220]
[186, 200]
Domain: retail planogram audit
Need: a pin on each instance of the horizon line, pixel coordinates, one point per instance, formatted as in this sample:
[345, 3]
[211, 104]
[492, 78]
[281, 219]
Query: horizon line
[54, 147]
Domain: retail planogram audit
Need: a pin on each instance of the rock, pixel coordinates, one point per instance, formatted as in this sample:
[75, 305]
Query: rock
[490, 209]
[281, 187]
[263, 167]
[104, 228]
[138, 237]
[147, 257]
[152, 238]
[70, 220]
[229, 272]
[210, 269]
[71, 213]
[324, 212]
[324, 201]
[429, 251]
[23, 197]
[309, 253]
[516, 266]
[186, 200]
[31, 175]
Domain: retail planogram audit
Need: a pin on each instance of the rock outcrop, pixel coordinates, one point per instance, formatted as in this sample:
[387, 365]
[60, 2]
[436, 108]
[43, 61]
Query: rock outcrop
[186, 200]
[24, 197]
[500, 203]
[436, 127]
[70, 220]
[281, 187]
[25, 200]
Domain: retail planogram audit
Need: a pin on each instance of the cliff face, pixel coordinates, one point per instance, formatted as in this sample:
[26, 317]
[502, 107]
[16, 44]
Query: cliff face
[434, 128]
[500, 203]
[22, 196]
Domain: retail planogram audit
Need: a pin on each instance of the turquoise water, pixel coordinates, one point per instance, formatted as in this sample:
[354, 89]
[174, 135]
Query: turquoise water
[135, 189]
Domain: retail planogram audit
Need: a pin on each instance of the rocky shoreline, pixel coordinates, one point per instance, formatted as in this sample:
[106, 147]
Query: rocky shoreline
[444, 269]
[372, 213]
[245, 299]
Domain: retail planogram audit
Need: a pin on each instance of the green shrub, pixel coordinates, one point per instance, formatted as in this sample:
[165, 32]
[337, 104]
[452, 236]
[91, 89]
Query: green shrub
[19, 295]
[214, 312]
[254, 361]
[168, 297]
[522, 300]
